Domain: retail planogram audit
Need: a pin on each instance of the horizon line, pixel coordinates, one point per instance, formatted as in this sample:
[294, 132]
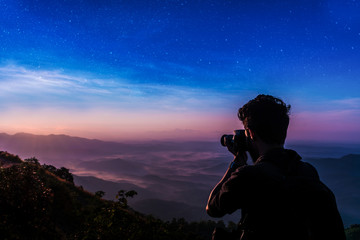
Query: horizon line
[174, 140]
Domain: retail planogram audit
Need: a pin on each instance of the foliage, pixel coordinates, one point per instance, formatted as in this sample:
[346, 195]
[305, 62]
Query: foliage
[10, 158]
[99, 194]
[32, 160]
[36, 204]
[123, 195]
[353, 232]
[63, 173]
[25, 204]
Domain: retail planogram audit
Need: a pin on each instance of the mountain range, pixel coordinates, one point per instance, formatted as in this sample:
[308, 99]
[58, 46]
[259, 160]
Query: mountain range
[174, 179]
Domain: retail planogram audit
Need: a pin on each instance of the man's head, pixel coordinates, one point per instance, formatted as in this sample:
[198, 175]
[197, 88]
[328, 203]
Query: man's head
[267, 117]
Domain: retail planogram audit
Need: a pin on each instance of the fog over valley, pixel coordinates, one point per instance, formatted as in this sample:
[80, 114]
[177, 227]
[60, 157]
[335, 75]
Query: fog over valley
[174, 179]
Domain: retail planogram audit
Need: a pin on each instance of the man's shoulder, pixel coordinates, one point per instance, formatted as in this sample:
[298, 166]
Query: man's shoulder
[277, 167]
[257, 172]
[306, 169]
[289, 162]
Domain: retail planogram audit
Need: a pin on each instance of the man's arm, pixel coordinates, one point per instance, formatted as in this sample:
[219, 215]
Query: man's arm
[213, 207]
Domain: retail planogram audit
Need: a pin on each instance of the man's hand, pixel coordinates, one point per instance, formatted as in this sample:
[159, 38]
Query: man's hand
[241, 158]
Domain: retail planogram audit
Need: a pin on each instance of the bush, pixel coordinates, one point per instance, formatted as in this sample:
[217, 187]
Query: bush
[353, 232]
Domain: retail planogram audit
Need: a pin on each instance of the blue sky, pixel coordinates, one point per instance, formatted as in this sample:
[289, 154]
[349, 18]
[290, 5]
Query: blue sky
[186, 66]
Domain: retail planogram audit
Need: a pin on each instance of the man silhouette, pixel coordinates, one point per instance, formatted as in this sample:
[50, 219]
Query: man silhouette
[280, 196]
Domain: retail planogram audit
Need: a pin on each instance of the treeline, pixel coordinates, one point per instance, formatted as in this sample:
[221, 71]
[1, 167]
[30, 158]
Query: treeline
[62, 172]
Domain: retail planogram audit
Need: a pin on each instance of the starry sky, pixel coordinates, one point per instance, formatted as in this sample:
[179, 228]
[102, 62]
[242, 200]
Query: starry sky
[119, 70]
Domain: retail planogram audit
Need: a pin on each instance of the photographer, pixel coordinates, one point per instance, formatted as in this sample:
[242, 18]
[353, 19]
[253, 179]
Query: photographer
[280, 196]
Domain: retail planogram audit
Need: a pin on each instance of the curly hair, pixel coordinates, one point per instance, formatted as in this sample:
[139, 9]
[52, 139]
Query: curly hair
[267, 116]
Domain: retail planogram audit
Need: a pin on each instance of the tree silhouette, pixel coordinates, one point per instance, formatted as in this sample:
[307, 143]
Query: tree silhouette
[99, 194]
[123, 195]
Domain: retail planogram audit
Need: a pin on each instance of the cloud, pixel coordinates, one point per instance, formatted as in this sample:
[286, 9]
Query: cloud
[348, 103]
[28, 87]
[54, 101]
[19, 80]
[175, 167]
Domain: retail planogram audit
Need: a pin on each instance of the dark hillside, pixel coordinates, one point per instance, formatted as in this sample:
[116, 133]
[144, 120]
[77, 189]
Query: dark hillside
[35, 203]
[7, 159]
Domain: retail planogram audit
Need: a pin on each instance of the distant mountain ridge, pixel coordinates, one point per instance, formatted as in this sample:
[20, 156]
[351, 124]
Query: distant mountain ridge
[179, 173]
[77, 148]
[45, 145]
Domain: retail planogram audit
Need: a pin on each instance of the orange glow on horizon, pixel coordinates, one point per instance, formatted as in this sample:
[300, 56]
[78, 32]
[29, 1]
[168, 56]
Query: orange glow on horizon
[112, 125]
[107, 124]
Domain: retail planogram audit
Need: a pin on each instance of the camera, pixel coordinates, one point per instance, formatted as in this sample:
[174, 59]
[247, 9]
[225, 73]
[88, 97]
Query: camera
[235, 143]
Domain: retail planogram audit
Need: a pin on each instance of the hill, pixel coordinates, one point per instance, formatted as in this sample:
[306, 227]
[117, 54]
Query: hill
[35, 203]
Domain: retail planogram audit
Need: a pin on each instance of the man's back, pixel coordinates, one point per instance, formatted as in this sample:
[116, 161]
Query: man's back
[277, 196]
